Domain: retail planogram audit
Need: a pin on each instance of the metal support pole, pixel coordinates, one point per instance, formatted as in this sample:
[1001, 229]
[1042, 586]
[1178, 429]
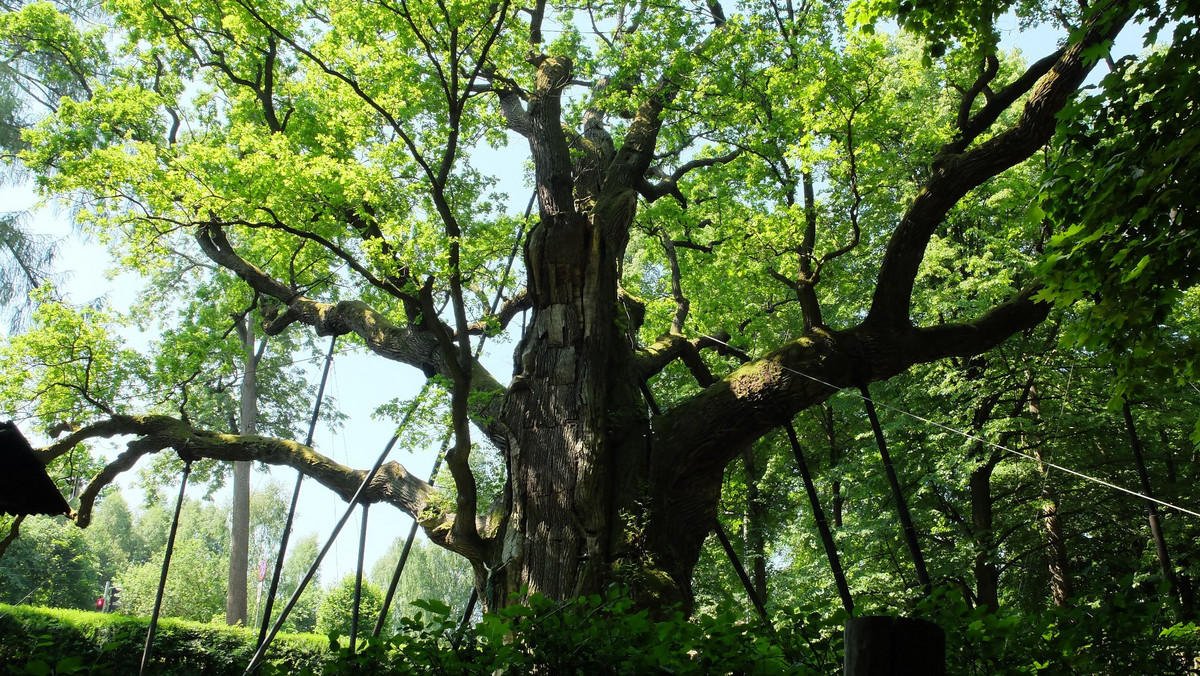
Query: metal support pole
[408, 542]
[741, 572]
[162, 580]
[412, 532]
[362, 544]
[466, 617]
[391, 590]
[256, 660]
[277, 573]
[910, 532]
[831, 552]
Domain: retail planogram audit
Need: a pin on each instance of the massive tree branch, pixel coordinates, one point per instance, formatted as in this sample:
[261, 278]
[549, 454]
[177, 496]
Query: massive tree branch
[510, 308]
[547, 142]
[971, 126]
[957, 174]
[393, 484]
[701, 435]
[513, 106]
[671, 346]
[414, 345]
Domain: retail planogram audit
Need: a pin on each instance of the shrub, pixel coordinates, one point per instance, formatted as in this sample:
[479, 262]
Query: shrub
[593, 635]
[42, 641]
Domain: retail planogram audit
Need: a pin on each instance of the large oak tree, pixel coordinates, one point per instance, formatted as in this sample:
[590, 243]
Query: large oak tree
[732, 206]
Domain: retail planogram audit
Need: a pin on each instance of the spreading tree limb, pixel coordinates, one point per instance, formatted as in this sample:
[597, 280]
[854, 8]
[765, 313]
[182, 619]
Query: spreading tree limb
[393, 484]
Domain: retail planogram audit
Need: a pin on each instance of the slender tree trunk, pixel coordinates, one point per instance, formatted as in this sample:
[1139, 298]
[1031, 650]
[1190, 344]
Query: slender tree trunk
[1187, 589]
[987, 575]
[835, 456]
[1056, 543]
[236, 600]
[1160, 541]
[752, 525]
[983, 527]
[239, 546]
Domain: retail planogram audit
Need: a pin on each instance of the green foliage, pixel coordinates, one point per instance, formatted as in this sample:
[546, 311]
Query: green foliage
[50, 564]
[1120, 195]
[590, 636]
[38, 641]
[335, 612]
[431, 573]
[72, 360]
[303, 618]
[25, 258]
[111, 535]
[1129, 631]
[204, 113]
[195, 586]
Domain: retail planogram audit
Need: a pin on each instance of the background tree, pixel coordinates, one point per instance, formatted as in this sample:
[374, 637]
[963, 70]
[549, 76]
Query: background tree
[129, 548]
[30, 80]
[303, 617]
[337, 603]
[430, 573]
[113, 538]
[49, 565]
[202, 550]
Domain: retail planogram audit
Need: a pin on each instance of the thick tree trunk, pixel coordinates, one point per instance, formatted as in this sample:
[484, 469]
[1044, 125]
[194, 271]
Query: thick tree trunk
[576, 424]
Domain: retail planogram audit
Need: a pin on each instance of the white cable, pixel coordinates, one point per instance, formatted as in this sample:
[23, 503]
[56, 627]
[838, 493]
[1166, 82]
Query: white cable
[981, 440]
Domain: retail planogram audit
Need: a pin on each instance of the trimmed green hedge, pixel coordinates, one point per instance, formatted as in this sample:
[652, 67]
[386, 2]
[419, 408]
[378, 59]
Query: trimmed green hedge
[42, 641]
[593, 635]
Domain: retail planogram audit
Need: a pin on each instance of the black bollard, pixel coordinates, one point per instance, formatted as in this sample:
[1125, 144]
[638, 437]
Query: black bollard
[880, 645]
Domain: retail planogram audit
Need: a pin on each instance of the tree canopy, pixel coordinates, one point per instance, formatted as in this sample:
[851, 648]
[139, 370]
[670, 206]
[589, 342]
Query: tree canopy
[737, 211]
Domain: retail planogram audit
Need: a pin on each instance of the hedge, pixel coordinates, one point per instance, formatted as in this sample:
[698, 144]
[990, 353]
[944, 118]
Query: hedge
[40, 641]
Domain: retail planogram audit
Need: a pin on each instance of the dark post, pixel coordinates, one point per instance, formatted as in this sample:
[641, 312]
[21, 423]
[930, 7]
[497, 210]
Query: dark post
[831, 552]
[166, 566]
[878, 645]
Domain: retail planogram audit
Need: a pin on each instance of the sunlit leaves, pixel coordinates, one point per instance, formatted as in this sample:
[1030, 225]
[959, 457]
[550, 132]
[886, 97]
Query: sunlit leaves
[48, 54]
[69, 367]
[943, 25]
[1121, 197]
